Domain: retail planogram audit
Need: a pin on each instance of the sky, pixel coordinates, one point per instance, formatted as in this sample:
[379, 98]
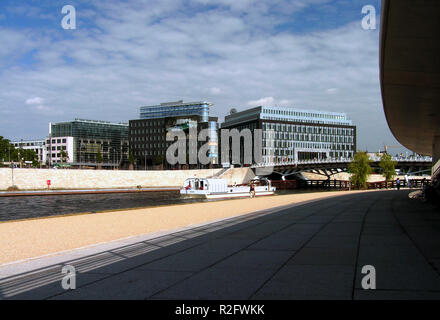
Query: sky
[306, 54]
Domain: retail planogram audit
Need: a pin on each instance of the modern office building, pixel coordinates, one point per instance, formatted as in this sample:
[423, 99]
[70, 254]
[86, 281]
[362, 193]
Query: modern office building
[290, 134]
[60, 150]
[148, 135]
[38, 146]
[83, 140]
[177, 109]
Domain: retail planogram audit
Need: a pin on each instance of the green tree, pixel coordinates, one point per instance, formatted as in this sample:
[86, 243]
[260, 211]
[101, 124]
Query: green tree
[6, 150]
[64, 156]
[388, 166]
[158, 160]
[131, 160]
[360, 169]
[99, 158]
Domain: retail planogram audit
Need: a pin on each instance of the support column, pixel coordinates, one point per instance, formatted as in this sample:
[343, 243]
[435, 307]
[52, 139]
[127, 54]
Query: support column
[435, 154]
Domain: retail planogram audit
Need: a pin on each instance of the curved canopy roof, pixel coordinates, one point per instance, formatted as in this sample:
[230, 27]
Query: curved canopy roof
[410, 71]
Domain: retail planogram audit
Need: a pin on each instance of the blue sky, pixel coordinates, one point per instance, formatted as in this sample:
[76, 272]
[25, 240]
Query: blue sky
[310, 54]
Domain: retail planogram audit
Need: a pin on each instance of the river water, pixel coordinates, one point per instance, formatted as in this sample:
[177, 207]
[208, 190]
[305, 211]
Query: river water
[14, 208]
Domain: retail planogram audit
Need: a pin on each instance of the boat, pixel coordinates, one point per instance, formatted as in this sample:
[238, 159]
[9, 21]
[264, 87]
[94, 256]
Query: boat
[219, 188]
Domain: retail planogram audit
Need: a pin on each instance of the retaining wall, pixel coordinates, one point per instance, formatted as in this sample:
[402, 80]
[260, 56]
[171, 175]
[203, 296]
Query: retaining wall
[35, 179]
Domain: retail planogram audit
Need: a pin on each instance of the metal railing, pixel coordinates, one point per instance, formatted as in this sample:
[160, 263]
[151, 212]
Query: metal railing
[338, 160]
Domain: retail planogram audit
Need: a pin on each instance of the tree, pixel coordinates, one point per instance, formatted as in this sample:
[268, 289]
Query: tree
[64, 156]
[99, 159]
[131, 160]
[158, 160]
[388, 166]
[7, 150]
[360, 169]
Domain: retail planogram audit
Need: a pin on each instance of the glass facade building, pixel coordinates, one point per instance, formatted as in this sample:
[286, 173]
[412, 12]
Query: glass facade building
[91, 137]
[177, 109]
[148, 134]
[291, 134]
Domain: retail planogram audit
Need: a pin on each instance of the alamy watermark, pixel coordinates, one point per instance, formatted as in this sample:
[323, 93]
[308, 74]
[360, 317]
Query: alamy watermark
[69, 280]
[369, 280]
[236, 147]
[369, 20]
[69, 20]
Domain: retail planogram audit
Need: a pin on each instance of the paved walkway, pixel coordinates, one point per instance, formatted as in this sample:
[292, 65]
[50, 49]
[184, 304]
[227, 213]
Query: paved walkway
[311, 251]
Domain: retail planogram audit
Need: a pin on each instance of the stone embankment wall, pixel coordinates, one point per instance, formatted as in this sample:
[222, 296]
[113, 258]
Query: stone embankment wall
[238, 175]
[36, 179]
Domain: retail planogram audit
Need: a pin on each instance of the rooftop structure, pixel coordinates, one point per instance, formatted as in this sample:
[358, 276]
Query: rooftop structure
[176, 109]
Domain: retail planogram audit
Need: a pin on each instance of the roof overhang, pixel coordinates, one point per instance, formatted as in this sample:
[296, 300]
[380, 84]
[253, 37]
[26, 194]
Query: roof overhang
[410, 71]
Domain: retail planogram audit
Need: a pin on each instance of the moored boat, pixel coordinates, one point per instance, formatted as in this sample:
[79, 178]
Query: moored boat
[218, 188]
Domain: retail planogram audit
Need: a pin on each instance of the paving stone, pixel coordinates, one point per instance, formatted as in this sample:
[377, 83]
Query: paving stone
[131, 285]
[385, 240]
[325, 256]
[256, 259]
[189, 260]
[341, 229]
[279, 242]
[218, 283]
[371, 254]
[309, 281]
[333, 242]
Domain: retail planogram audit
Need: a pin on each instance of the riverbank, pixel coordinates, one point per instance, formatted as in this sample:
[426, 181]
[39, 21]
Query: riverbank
[32, 238]
[82, 191]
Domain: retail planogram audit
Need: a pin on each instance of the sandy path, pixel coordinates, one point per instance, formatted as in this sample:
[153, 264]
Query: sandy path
[31, 238]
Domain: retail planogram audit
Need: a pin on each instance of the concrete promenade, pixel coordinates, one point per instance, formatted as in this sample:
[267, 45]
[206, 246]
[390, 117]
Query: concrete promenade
[309, 251]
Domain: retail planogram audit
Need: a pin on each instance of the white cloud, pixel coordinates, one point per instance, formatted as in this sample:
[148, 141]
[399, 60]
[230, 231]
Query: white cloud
[215, 91]
[36, 100]
[332, 90]
[269, 101]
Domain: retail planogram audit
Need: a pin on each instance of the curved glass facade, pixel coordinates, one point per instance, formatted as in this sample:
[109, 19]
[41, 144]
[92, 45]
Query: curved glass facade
[176, 109]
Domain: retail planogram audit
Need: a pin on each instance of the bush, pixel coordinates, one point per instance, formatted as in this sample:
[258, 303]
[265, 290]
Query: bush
[360, 169]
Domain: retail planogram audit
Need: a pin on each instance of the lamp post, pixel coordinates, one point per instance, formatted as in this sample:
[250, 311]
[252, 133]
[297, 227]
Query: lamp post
[12, 173]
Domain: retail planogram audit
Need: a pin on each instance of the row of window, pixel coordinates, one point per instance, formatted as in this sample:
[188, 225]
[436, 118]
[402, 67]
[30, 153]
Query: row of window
[307, 137]
[279, 127]
[148, 131]
[304, 114]
[151, 145]
[304, 145]
[27, 144]
[147, 138]
[276, 158]
[57, 148]
[56, 141]
[144, 124]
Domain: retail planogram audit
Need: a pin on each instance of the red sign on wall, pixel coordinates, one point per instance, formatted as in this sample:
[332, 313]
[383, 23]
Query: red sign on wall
[48, 182]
